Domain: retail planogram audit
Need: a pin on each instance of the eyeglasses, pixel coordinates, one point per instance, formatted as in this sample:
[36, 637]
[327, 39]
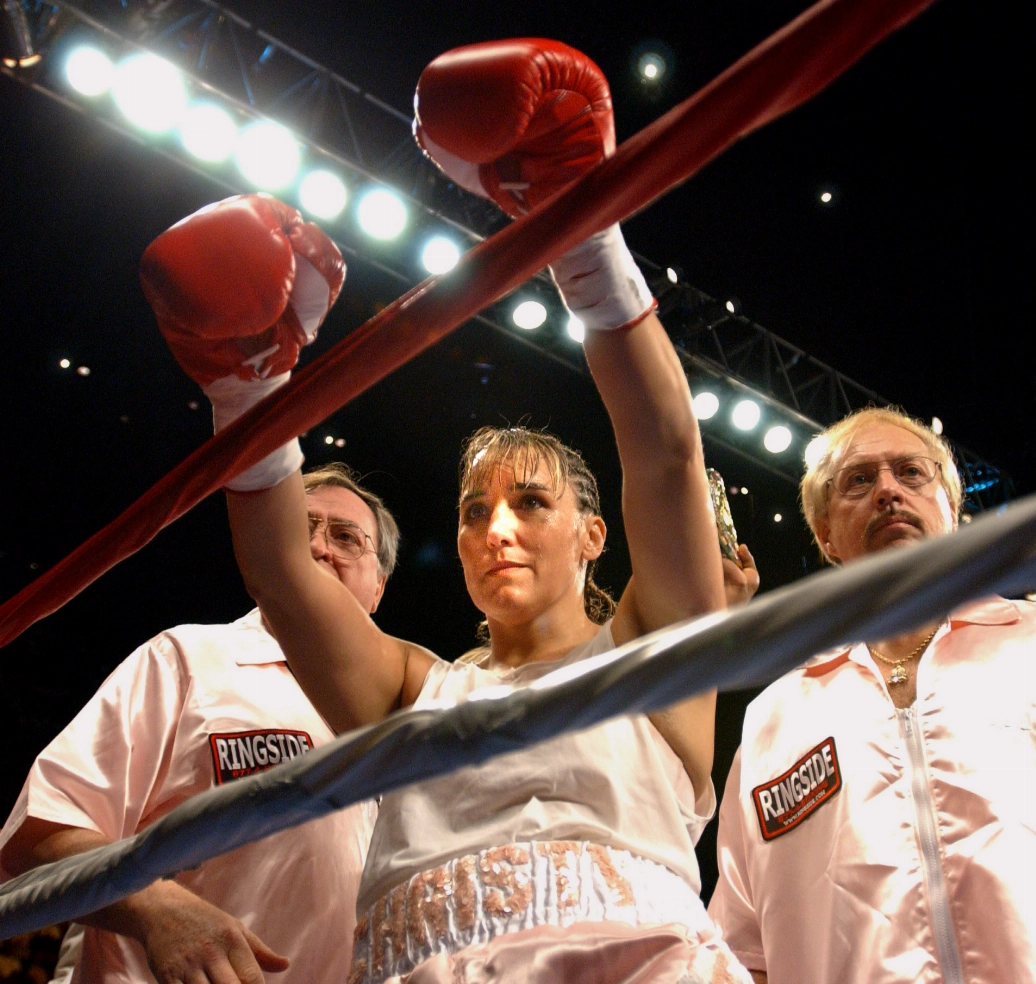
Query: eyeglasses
[342, 538]
[858, 479]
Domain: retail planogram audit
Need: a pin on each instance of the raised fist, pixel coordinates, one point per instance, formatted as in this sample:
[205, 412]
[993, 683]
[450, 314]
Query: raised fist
[240, 286]
[516, 121]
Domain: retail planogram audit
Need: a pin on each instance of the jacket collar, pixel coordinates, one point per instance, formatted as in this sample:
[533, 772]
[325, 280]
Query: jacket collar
[265, 649]
[989, 611]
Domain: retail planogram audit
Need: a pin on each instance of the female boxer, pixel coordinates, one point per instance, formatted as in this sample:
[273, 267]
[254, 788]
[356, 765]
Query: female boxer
[573, 860]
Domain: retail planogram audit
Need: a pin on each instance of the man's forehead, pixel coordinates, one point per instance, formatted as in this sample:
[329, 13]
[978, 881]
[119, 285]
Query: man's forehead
[882, 441]
[339, 503]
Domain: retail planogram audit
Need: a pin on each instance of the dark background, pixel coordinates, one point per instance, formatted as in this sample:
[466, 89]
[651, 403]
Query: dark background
[916, 284]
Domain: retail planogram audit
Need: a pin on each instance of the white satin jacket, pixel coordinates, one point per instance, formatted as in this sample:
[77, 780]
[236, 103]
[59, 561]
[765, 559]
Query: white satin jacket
[859, 844]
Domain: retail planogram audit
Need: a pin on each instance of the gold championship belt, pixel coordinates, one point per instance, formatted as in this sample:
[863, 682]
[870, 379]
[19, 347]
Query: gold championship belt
[724, 521]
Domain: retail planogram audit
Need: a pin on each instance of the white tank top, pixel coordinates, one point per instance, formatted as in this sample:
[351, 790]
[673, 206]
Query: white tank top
[617, 784]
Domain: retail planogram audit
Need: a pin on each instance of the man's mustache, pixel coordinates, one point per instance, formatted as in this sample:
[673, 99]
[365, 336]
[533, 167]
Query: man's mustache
[896, 515]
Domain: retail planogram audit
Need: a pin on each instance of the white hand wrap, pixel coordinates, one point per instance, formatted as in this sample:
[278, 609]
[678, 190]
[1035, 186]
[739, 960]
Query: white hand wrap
[601, 284]
[230, 398]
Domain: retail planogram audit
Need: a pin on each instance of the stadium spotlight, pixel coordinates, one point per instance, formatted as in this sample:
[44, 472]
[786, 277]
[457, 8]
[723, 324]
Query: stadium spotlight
[828, 196]
[529, 315]
[440, 255]
[732, 306]
[150, 92]
[576, 329]
[382, 215]
[705, 405]
[89, 71]
[936, 425]
[652, 66]
[745, 414]
[777, 439]
[671, 275]
[208, 132]
[652, 61]
[267, 155]
[815, 450]
[323, 194]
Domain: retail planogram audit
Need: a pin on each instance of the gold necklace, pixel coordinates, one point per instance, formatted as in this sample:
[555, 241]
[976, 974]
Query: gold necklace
[898, 674]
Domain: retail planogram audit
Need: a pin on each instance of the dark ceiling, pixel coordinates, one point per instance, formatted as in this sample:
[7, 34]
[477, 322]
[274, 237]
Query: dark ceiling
[916, 285]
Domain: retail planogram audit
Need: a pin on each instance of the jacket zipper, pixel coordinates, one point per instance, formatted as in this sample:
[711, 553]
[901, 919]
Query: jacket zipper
[924, 809]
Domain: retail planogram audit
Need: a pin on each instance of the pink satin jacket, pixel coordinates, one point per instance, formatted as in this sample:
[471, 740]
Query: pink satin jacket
[859, 844]
[193, 708]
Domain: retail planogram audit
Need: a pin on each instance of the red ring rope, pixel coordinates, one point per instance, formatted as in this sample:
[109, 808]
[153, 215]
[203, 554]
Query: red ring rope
[776, 76]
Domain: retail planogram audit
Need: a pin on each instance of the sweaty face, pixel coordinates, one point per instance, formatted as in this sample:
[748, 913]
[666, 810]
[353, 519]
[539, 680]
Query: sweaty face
[331, 503]
[888, 514]
[523, 546]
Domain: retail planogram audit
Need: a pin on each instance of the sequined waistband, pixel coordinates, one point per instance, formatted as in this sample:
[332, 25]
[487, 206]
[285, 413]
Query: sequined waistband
[477, 897]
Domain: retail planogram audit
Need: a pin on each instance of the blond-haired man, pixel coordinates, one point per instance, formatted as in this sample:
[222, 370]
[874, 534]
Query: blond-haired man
[879, 820]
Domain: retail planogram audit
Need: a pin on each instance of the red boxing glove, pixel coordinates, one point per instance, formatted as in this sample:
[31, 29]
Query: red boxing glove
[518, 121]
[515, 121]
[240, 286]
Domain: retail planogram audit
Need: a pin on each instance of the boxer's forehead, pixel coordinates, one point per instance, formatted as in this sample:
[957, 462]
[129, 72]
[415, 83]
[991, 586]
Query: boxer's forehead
[510, 473]
[513, 468]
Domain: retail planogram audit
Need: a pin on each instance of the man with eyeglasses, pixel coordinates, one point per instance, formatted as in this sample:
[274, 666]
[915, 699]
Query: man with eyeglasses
[195, 707]
[879, 819]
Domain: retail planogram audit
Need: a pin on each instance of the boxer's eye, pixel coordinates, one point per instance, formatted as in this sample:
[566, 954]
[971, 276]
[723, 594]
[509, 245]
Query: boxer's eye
[475, 511]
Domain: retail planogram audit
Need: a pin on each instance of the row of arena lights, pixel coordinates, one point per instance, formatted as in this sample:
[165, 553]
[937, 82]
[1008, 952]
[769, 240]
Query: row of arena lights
[745, 416]
[152, 94]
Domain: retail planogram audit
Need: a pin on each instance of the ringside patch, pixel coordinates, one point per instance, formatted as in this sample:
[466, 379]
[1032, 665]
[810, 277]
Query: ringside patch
[783, 803]
[244, 753]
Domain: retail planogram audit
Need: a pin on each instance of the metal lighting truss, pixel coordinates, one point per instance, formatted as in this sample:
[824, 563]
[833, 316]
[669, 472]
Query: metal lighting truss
[719, 342]
[258, 76]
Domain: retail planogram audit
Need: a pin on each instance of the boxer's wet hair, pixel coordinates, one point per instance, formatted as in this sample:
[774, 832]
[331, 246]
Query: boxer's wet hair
[522, 450]
[341, 476]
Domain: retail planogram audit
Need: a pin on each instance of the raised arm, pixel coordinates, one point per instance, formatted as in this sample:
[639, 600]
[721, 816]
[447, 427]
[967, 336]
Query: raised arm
[238, 288]
[352, 671]
[516, 121]
[666, 505]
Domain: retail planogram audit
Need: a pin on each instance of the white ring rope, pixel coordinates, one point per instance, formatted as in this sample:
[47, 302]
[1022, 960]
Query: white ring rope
[875, 598]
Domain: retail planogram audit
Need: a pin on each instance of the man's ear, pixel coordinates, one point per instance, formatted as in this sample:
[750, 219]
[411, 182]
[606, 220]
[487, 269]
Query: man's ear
[822, 533]
[382, 581]
[595, 534]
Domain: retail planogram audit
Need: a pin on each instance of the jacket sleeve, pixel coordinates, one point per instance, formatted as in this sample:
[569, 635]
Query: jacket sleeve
[101, 772]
